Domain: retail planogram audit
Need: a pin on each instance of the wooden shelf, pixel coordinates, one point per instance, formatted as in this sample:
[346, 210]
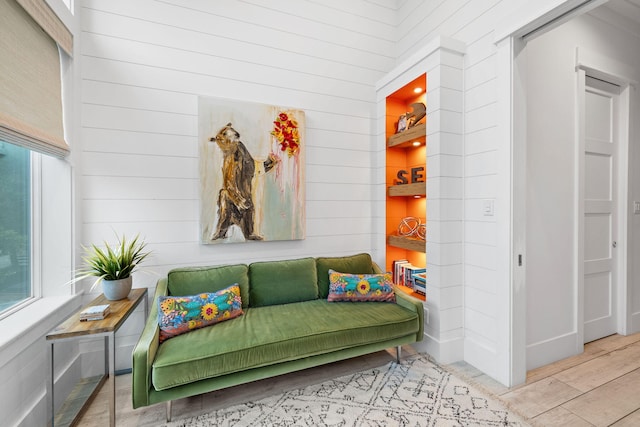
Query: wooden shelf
[413, 189]
[406, 138]
[408, 243]
[79, 400]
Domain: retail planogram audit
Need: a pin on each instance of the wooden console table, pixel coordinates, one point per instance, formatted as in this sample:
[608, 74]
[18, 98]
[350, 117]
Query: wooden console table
[73, 328]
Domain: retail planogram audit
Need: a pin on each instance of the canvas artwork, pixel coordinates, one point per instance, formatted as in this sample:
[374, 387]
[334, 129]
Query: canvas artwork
[251, 172]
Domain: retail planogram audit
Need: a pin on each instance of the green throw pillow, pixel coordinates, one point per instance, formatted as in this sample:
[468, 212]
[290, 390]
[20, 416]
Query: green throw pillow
[181, 314]
[282, 282]
[197, 280]
[360, 287]
[354, 264]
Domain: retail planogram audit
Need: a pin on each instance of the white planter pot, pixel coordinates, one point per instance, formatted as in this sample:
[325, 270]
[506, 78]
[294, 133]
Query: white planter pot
[117, 289]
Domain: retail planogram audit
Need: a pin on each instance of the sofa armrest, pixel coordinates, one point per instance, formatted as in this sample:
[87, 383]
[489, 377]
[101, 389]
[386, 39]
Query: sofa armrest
[376, 268]
[407, 301]
[413, 304]
[145, 350]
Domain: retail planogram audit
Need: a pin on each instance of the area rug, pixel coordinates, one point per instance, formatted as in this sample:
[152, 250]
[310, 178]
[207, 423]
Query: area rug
[414, 393]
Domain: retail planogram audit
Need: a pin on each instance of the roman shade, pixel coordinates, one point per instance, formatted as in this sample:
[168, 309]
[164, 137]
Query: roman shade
[30, 84]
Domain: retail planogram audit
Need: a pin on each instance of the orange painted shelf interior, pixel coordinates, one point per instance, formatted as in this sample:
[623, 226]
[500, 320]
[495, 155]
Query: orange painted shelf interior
[403, 155]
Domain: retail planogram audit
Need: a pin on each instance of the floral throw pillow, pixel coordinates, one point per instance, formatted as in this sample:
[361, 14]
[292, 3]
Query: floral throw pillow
[180, 314]
[360, 287]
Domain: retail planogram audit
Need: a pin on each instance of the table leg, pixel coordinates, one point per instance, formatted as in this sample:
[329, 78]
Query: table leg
[110, 342]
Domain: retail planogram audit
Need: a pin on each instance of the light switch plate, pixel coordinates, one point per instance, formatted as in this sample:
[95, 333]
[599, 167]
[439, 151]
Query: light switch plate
[487, 207]
[636, 207]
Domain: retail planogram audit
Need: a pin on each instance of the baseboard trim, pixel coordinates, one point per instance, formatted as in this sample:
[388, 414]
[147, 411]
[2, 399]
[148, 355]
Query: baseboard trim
[635, 323]
[481, 357]
[444, 352]
[551, 350]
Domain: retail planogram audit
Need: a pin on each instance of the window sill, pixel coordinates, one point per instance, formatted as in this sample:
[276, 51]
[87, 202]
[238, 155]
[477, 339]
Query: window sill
[26, 326]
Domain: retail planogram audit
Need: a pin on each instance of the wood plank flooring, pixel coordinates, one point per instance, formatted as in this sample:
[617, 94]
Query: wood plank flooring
[600, 387]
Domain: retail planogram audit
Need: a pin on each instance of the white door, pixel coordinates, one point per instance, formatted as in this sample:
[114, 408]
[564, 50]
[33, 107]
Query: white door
[600, 161]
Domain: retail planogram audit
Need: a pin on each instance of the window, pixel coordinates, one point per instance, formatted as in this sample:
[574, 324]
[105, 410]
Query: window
[15, 226]
[35, 45]
[35, 178]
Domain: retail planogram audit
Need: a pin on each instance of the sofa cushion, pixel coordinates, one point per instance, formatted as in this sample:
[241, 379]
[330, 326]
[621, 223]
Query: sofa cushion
[178, 315]
[274, 334]
[282, 282]
[355, 264]
[197, 280]
[360, 287]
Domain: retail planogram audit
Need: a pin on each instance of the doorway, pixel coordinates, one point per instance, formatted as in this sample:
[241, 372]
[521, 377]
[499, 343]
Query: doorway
[599, 116]
[575, 84]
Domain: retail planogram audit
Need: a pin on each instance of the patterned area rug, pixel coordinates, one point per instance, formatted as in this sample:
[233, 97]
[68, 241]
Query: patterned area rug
[414, 393]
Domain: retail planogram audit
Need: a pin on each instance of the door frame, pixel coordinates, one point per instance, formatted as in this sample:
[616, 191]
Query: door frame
[510, 40]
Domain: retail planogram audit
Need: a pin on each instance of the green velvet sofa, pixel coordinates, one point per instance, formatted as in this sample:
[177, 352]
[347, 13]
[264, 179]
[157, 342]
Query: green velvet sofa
[287, 325]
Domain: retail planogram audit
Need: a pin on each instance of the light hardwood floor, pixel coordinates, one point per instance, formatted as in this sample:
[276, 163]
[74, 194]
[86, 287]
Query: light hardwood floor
[600, 387]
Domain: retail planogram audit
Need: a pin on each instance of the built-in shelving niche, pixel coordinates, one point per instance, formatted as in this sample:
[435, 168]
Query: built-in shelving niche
[405, 151]
[441, 61]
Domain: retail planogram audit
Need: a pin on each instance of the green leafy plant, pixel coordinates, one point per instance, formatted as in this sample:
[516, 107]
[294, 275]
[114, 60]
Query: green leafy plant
[113, 262]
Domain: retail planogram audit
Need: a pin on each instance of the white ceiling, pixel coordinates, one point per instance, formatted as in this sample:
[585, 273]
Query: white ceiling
[624, 13]
[627, 8]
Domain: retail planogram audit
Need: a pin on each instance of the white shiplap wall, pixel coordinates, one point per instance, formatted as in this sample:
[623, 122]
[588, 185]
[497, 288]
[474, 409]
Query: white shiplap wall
[143, 66]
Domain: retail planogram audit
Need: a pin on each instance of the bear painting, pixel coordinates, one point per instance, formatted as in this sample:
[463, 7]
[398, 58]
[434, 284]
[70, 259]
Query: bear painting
[235, 199]
[251, 172]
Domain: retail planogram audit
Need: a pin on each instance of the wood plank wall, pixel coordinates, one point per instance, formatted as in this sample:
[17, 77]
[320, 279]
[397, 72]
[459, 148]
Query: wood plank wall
[143, 66]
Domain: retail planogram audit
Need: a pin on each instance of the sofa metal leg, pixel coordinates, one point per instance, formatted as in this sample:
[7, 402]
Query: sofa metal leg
[398, 354]
[168, 407]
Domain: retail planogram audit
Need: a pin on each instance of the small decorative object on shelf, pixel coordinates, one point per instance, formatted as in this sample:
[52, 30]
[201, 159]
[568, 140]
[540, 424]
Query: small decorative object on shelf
[412, 118]
[411, 226]
[416, 176]
[402, 123]
[95, 312]
[419, 111]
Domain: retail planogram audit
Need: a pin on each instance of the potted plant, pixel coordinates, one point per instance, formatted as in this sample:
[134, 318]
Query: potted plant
[113, 266]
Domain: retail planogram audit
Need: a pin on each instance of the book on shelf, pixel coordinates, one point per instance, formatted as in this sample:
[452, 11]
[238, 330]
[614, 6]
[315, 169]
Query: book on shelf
[420, 290]
[409, 274]
[420, 282]
[404, 271]
[398, 271]
[95, 312]
[420, 276]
